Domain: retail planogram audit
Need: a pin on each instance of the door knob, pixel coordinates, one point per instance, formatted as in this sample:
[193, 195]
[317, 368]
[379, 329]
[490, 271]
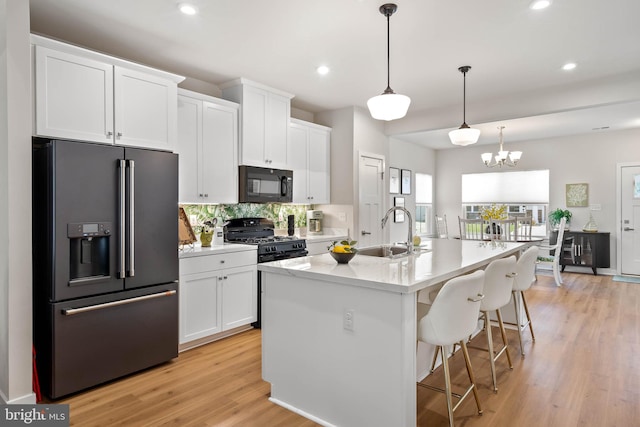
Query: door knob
[364, 233]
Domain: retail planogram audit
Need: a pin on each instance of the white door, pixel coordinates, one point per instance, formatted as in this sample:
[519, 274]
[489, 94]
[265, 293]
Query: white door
[630, 216]
[370, 207]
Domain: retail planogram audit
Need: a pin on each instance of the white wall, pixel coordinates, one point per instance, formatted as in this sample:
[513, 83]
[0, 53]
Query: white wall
[405, 155]
[589, 158]
[15, 203]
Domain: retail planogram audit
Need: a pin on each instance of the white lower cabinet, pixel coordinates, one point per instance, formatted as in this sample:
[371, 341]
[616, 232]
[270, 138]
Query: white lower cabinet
[217, 293]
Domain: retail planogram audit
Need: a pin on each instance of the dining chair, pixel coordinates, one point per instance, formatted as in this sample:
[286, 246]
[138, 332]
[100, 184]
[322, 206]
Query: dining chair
[557, 248]
[471, 229]
[449, 320]
[442, 231]
[503, 229]
[524, 224]
[525, 272]
[498, 284]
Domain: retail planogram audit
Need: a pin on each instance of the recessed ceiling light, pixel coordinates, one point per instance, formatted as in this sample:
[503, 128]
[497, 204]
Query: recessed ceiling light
[322, 70]
[569, 66]
[188, 9]
[539, 4]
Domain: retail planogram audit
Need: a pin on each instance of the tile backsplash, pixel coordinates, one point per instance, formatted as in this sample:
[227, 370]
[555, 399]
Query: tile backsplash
[277, 212]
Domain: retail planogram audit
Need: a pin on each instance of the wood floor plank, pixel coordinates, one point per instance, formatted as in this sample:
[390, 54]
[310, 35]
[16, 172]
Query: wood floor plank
[583, 370]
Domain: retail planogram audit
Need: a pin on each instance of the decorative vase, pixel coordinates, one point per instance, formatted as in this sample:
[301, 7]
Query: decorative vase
[205, 238]
[493, 229]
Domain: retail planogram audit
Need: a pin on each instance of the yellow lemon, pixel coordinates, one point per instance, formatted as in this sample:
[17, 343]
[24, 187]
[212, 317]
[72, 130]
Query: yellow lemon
[339, 249]
[416, 240]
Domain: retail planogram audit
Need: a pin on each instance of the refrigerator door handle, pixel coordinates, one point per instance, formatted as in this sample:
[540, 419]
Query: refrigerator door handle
[132, 228]
[72, 311]
[122, 222]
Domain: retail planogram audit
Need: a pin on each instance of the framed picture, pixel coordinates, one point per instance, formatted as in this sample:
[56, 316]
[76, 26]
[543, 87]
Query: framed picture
[406, 181]
[398, 216]
[577, 195]
[394, 180]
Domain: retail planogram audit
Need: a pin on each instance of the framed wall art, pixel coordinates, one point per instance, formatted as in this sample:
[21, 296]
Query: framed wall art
[577, 195]
[394, 180]
[398, 216]
[406, 181]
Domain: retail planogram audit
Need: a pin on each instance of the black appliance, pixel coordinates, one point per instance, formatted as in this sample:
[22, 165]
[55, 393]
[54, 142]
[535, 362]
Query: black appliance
[261, 232]
[105, 262]
[265, 185]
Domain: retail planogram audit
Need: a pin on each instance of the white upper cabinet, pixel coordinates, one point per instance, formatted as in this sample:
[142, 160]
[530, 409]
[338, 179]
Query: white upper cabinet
[145, 109]
[309, 154]
[88, 96]
[74, 96]
[264, 123]
[207, 145]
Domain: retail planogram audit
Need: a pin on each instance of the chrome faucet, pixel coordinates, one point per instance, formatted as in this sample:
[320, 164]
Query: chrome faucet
[409, 242]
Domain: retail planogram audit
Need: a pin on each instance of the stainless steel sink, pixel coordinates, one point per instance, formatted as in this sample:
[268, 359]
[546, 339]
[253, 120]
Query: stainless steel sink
[383, 251]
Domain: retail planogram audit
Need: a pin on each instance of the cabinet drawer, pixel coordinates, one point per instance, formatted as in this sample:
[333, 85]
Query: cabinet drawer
[204, 263]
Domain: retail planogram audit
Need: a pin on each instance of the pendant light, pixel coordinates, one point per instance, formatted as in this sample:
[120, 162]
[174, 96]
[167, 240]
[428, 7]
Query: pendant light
[389, 105]
[464, 135]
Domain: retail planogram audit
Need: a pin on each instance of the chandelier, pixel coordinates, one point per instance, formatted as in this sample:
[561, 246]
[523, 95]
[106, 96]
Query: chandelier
[389, 105]
[503, 158]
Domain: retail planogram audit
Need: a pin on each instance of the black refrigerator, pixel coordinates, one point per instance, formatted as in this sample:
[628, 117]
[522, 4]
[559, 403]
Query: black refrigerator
[105, 262]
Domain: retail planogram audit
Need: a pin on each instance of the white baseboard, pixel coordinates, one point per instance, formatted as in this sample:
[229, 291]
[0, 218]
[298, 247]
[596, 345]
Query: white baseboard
[27, 399]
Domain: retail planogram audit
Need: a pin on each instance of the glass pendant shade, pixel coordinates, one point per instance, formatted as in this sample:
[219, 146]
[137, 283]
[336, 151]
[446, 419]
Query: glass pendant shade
[388, 106]
[464, 136]
[515, 156]
[486, 157]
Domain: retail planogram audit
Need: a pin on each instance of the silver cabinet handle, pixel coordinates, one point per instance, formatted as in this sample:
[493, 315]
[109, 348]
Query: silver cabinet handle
[109, 134]
[206, 195]
[72, 311]
[364, 233]
[122, 225]
[628, 229]
[132, 227]
[119, 135]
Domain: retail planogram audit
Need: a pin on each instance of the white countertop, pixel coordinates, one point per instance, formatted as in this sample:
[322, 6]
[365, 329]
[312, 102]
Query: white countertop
[437, 260]
[187, 251]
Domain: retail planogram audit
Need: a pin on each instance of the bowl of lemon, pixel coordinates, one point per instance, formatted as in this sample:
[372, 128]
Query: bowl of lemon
[343, 251]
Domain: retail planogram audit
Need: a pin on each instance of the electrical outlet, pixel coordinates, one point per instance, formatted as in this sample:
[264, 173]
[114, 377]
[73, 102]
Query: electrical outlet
[596, 207]
[342, 216]
[193, 219]
[348, 319]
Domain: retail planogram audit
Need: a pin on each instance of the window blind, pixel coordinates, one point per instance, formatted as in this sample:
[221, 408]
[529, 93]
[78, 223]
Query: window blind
[506, 187]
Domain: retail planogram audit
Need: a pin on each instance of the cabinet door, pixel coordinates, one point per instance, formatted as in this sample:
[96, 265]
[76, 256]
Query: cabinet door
[73, 97]
[200, 313]
[239, 296]
[318, 166]
[254, 107]
[298, 162]
[189, 138]
[145, 110]
[277, 131]
[219, 154]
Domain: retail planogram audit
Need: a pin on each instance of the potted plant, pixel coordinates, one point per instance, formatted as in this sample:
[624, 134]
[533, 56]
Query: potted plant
[556, 216]
[206, 234]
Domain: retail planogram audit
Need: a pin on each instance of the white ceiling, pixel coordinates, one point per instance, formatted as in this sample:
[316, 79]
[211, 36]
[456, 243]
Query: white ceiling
[515, 53]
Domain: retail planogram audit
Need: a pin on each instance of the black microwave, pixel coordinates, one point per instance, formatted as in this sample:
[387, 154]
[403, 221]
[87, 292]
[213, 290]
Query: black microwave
[265, 185]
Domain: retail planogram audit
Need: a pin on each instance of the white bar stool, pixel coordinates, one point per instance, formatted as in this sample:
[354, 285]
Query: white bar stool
[451, 318]
[498, 284]
[525, 276]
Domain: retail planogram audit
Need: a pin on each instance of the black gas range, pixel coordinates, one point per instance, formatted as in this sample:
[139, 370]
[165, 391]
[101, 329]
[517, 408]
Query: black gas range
[261, 232]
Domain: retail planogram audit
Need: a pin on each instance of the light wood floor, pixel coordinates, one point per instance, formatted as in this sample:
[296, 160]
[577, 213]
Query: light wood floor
[583, 370]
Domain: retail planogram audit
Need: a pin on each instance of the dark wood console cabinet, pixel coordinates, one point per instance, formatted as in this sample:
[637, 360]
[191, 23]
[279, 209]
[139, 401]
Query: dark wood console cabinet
[588, 249]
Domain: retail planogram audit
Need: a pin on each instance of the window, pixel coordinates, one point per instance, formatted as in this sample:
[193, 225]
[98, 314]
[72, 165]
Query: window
[525, 193]
[424, 204]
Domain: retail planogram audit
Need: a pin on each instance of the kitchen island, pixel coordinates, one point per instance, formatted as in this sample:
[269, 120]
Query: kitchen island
[339, 340]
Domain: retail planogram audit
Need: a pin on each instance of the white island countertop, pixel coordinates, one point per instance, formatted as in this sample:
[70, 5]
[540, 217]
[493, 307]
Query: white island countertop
[435, 261]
